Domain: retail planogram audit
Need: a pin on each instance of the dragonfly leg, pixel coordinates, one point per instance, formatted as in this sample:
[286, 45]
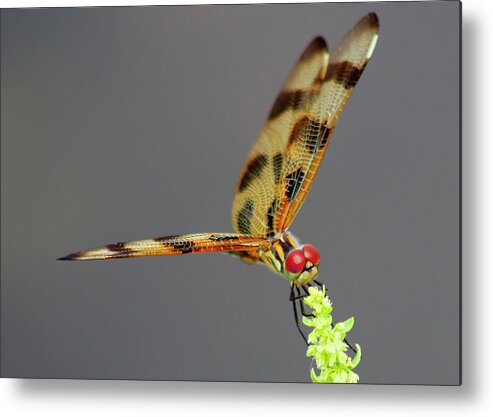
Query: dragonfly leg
[305, 289]
[295, 295]
[293, 299]
[350, 345]
[302, 304]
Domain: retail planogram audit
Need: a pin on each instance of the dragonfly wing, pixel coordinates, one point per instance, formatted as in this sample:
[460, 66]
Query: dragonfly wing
[311, 133]
[173, 245]
[260, 180]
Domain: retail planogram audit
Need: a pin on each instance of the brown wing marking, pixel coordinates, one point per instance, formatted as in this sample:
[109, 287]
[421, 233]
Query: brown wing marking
[256, 199]
[312, 131]
[173, 245]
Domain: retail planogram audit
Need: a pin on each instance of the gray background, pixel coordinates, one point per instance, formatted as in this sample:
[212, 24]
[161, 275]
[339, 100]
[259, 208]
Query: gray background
[126, 123]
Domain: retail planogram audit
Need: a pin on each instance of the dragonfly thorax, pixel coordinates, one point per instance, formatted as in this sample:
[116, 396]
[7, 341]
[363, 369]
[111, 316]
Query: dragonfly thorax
[298, 263]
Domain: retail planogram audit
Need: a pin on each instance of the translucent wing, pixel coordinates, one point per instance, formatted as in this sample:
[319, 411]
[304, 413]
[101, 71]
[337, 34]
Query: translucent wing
[311, 133]
[260, 183]
[173, 245]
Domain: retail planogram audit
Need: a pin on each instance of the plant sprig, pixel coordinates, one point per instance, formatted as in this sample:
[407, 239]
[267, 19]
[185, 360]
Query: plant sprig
[326, 342]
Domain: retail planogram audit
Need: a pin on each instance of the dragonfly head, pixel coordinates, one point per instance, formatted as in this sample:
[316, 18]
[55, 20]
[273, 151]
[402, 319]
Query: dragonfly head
[301, 265]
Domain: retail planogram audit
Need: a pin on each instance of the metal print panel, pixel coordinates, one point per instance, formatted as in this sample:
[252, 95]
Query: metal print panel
[132, 125]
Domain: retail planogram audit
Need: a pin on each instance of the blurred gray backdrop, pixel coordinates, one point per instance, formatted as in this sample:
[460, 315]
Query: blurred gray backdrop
[133, 122]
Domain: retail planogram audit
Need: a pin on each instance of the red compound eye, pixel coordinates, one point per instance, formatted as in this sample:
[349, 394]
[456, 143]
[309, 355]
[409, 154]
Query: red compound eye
[295, 262]
[311, 254]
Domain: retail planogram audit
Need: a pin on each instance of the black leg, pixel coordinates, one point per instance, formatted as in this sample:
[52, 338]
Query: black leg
[291, 293]
[350, 345]
[295, 295]
[293, 300]
[302, 304]
[305, 289]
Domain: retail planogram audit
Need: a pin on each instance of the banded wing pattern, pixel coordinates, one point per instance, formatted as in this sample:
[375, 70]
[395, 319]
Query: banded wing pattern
[172, 245]
[260, 185]
[312, 134]
[287, 155]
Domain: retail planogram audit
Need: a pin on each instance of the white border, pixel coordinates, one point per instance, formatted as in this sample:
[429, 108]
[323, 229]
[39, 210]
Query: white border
[130, 398]
[79, 3]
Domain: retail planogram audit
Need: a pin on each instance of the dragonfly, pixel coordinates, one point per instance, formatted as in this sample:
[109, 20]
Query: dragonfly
[279, 170]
